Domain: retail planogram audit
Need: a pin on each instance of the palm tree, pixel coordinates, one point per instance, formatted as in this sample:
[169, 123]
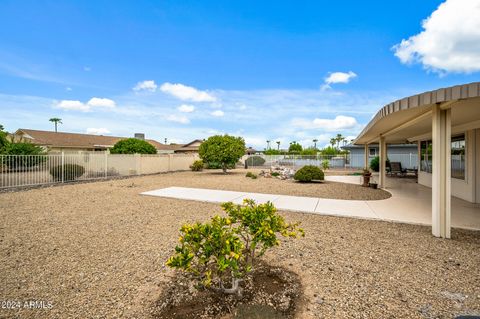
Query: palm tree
[333, 141]
[315, 143]
[268, 144]
[278, 145]
[56, 120]
[339, 139]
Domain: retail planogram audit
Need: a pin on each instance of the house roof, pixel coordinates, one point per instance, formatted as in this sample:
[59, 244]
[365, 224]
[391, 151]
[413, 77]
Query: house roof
[76, 140]
[189, 147]
[394, 118]
[193, 142]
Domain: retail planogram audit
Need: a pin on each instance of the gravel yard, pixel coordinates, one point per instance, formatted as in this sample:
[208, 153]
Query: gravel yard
[97, 250]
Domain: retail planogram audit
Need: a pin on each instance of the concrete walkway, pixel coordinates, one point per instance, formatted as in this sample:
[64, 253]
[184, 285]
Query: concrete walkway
[410, 203]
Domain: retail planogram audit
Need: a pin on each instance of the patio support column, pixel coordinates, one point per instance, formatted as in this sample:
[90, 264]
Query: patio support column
[366, 156]
[383, 158]
[441, 172]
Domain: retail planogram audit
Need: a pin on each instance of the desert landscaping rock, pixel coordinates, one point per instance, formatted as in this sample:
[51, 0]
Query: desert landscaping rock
[97, 250]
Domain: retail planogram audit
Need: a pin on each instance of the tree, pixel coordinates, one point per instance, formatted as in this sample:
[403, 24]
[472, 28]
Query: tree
[329, 150]
[272, 151]
[225, 150]
[3, 139]
[339, 138]
[278, 145]
[309, 151]
[56, 120]
[225, 249]
[31, 155]
[295, 148]
[133, 146]
[315, 143]
[268, 144]
[333, 141]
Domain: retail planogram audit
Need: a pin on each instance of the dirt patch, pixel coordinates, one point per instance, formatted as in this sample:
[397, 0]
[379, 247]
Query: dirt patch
[269, 293]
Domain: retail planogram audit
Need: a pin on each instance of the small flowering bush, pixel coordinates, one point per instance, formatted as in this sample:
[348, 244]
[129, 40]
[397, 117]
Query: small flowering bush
[224, 249]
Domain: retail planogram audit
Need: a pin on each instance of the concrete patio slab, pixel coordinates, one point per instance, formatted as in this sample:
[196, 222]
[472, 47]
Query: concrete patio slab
[200, 194]
[258, 198]
[296, 203]
[349, 208]
[410, 203]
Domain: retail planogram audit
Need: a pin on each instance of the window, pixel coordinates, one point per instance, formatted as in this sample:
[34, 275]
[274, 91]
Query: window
[457, 153]
[458, 156]
[372, 151]
[426, 156]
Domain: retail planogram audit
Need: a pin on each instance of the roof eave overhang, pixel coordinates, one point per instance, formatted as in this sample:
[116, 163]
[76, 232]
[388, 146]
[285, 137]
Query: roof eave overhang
[423, 102]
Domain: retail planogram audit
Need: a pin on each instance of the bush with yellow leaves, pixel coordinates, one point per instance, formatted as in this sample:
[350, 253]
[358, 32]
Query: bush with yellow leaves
[224, 250]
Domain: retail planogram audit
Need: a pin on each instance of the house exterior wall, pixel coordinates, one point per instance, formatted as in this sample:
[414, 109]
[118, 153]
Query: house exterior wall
[467, 189]
[408, 156]
[477, 165]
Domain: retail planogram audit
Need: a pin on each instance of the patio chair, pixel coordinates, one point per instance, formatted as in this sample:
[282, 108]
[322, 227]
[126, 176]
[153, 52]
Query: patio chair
[396, 168]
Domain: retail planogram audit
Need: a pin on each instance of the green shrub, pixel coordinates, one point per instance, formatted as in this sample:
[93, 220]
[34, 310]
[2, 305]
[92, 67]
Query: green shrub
[255, 161]
[133, 146]
[375, 164]
[309, 151]
[251, 175]
[309, 173]
[325, 164]
[224, 249]
[275, 174]
[70, 172]
[197, 166]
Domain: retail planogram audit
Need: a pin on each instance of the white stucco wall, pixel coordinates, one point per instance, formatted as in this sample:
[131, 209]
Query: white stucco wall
[477, 165]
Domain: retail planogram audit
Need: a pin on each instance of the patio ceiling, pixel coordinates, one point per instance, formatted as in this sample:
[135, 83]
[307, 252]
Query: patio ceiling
[410, 119]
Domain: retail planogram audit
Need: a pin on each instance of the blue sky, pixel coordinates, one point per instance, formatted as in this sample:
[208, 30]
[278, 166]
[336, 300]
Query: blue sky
[277, 70]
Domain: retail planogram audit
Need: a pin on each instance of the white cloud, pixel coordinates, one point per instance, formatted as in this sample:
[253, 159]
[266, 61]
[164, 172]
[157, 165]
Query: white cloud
[68, 89]
[241, 106]
[339, 123]
[186, 108]
[178, 119]
[97, 131]
[187, 93]
[101, 102]
[450, 40]
[338, 77]
[217, 113]
[148, 85]
[87, 69]
[73, 105]
[94, 102]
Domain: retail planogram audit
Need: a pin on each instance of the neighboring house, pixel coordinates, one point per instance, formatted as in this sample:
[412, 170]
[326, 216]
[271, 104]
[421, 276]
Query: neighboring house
[250, 151]
[445, 124]
[191, 147]
[407, 154]
[74, 142]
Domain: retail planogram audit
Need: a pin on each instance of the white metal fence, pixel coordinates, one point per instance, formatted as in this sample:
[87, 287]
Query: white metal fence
[27, 170]
[343, 161]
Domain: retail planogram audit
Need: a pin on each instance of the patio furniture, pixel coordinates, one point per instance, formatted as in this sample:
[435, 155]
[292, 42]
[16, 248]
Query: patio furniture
[396, 169]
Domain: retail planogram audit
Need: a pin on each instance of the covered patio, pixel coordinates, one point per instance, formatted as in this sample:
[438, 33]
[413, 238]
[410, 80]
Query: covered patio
[412, 203]
[445, 125]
